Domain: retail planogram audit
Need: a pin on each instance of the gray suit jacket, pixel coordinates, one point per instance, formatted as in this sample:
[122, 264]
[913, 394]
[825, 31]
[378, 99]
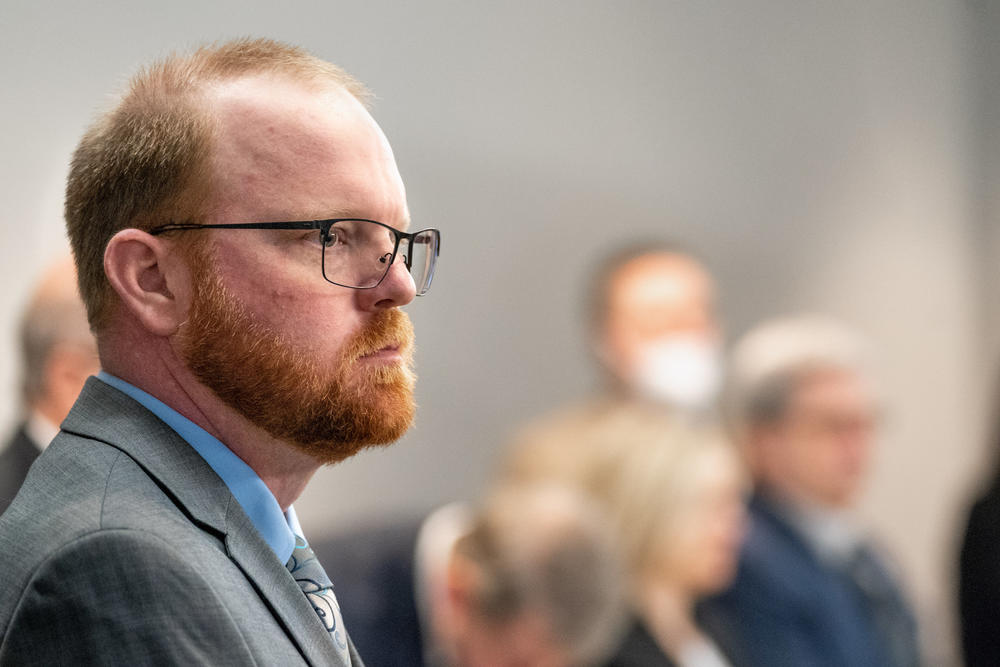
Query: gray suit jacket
[125, 548]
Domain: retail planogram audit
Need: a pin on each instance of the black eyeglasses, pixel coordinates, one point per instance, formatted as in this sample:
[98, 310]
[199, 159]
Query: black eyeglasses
[355, 253]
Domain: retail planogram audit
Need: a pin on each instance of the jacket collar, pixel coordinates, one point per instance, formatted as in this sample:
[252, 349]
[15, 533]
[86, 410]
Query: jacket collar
[106, 414]
[103, 413]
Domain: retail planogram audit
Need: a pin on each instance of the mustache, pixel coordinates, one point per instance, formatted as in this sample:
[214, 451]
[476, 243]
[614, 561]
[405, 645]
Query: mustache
[389, 328]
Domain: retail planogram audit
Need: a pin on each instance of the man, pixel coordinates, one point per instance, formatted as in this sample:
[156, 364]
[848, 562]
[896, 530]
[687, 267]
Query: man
[241, 350]
[811, 588]
[654, 331]
[529, 578]
[654, 327]
[57, 355]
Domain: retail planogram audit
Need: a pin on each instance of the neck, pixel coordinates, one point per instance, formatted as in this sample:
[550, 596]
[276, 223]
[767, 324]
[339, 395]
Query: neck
[49, 409]
[800, 499]
[668, 610]
[162, 374]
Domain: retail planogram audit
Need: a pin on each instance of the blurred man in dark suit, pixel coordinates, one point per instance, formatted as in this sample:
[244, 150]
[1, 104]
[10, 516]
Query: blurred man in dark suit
[811, 588]
[58, 353]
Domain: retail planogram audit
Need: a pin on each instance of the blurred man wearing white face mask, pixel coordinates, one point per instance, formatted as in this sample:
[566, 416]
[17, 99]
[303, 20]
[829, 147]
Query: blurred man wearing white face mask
[654, 331]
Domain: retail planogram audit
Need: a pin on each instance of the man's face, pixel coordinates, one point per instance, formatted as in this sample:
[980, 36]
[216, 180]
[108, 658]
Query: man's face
[660, 335]
[656, 296]
[819, 451]
[323, 367]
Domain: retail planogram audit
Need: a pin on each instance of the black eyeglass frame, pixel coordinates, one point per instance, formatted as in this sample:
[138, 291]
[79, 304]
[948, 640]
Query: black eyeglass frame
[324, 229]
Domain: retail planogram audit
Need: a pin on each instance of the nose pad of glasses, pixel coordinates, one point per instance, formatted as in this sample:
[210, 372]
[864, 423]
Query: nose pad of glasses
[384, 259]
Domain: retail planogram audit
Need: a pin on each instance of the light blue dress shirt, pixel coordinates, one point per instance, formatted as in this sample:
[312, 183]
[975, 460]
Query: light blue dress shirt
[276, 527]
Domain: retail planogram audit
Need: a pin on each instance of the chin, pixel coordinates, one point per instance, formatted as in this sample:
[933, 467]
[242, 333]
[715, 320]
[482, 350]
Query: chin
[717, 577]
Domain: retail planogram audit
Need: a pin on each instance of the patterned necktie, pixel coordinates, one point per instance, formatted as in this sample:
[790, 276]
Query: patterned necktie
[318, 588]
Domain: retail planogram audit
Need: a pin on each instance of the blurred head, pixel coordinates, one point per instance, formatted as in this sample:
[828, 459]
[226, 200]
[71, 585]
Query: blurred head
[655, 328]
[677, 495]
[805, 409]
[248, 131]
[536, 581]
[58, 352]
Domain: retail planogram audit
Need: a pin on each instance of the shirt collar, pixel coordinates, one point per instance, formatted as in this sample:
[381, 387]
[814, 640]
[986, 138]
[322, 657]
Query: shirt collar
[276, 527]
[831, 533]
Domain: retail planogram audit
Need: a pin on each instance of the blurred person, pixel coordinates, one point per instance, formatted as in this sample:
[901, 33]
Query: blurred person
[811, 588]
[979, 576]
[235, 220]
[58, 353]
[653, 328]
[675, 493]
[679, 499]
[531, 577]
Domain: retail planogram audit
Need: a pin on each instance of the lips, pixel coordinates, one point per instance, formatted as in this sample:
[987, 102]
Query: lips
[389, 350]
[388, 336]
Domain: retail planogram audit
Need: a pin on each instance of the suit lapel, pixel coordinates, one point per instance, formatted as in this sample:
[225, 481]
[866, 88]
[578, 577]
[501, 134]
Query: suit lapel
[278, 588]
[106, 414]
[103, 413]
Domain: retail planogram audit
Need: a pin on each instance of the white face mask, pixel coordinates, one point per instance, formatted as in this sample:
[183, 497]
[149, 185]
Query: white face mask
[682, 371]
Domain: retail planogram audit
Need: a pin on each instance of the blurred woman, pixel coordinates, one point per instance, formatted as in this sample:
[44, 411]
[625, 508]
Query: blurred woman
[676, 494]
[678, 497]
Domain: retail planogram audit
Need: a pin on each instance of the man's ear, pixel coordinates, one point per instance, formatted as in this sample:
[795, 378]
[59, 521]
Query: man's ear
[759, 444]
[139, 269]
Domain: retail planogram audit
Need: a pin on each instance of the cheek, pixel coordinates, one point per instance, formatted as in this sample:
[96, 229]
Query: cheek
[807, 455]
[307, 312]
[681, 546]
[838, 456]
[707, 539]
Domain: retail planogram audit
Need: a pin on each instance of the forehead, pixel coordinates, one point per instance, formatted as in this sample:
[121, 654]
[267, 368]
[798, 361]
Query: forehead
[834, 388]
[661, 281]
[286, 150]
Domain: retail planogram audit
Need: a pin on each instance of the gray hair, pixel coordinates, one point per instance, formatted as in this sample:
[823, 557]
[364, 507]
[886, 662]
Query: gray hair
[769, 361]
[547, 549]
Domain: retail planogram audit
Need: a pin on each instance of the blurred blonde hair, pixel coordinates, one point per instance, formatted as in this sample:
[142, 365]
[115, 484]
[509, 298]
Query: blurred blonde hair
[636, 459]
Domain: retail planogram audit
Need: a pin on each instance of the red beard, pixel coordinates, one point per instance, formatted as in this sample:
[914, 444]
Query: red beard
[329, 414]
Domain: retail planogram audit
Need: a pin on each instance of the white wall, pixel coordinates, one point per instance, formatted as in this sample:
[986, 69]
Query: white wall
[822, 155]
[987, 128]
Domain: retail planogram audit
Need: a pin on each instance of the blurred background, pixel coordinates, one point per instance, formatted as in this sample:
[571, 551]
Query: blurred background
[835, 157]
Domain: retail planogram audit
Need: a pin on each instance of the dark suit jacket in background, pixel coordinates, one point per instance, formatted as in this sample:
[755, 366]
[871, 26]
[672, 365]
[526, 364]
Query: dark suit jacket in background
[125, 548]
[372, 569]
[639, 649]
[979, 582]
[15, 459]
[786, 608]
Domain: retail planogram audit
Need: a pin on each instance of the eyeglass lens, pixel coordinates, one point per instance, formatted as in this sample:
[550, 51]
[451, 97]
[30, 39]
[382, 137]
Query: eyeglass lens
[356, 253]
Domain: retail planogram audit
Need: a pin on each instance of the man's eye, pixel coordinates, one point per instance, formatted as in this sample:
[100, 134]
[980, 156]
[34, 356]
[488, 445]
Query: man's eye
[330, 239]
